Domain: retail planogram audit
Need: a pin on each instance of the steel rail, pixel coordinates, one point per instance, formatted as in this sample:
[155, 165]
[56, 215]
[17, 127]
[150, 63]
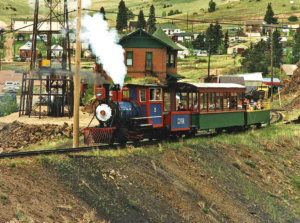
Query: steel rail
[107, 147]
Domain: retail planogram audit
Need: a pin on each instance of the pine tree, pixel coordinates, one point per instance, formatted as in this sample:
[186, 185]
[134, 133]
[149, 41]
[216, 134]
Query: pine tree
[122, 17]
[214, 36]
[141, 20]
[151, 20]
[226, 41]
[199, 42]
[296, 46]
[269, 17]
[129, 13]
[212, 6]
[277, 49]
[102, 11]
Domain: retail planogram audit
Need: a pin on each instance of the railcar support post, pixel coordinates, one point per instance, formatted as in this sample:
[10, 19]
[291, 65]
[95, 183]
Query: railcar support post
[271, 64]
[77, 78]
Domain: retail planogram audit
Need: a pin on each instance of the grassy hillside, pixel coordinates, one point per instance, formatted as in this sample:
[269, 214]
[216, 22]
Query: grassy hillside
[244, 177]
[232, 10]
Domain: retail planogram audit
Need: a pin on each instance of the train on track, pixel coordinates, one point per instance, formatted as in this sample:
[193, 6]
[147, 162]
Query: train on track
[152, 111]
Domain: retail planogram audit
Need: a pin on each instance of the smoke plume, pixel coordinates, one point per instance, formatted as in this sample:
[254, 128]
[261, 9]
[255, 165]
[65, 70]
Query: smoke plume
[104, 44]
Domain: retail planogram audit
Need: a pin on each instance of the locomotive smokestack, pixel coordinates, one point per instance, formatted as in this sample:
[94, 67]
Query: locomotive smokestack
[106, 87]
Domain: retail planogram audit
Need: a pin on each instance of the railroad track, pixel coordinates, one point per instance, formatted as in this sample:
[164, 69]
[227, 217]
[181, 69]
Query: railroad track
[275, 117]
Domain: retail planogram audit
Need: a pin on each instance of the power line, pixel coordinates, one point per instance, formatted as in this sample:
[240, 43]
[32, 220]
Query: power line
[158, 17]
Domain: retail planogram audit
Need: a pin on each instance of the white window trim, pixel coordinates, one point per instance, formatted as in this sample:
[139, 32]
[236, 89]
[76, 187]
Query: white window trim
[155, 94]
[140, 94]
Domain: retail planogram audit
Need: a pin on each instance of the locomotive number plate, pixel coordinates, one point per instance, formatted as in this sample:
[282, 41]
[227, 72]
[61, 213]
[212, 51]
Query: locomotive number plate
[180, 121]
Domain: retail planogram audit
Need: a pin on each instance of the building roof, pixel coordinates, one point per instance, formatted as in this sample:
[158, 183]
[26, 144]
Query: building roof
[216, 85]
[183, 34]
[174, 76]
[181, 46]
[31, 19]
[269, 80]
[166, 26]
[230, 79]
[133, 24]
[26, 46]
[289, 69]
[162, 36]
[56, 47]
[251, 76]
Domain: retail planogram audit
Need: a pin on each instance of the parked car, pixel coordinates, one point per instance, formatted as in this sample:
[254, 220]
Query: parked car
[21, 59]
[12, 85]
[200, 53]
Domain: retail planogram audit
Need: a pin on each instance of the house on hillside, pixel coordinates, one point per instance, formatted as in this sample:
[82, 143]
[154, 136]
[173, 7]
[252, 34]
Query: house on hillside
[25, 50]
[20, 37]
[181, 37]
[253, 28]
[239, 49]
[56, 51]
[288, 69]
[168, 28]
[184, 53]
[150, 55]
[25, 25]
[132, 26]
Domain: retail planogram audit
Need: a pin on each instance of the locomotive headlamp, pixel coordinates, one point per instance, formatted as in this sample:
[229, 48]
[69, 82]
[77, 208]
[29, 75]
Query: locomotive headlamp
[99, 94]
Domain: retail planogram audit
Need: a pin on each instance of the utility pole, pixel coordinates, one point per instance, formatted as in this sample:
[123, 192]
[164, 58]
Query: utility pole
[187, 22]
[208, 77]
[77, 78]
[271, 63]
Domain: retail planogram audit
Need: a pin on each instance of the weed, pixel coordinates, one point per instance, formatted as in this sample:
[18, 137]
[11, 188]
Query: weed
[236, 165]
[205, 210]
[19, 214]
[132, 203]
[250, 163]
[3, 196]
[121, 184]
[260, 175]
[44, 159]
[51, 216]
[12, 165]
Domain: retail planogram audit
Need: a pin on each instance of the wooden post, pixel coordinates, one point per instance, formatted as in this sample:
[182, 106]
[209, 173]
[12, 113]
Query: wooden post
[77, 78]
[271, 64]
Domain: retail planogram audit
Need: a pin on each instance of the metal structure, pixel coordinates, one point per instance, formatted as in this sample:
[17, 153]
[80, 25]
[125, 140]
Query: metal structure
[49, 82]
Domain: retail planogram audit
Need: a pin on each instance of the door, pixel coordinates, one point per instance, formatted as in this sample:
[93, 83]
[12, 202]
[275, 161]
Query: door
[149, 61]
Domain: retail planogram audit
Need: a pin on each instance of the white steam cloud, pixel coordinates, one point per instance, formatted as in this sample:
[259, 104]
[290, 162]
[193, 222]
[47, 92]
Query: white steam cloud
[104, 44]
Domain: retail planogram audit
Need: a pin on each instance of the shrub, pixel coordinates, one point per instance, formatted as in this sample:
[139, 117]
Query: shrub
[132, 203]
[250, 163]
[283, 5]
[293, 18]
[293, 8]
[8, 105]
[205, 210]
[236, 165]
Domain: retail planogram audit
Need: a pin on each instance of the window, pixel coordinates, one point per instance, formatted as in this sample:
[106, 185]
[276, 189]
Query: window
[226, 102]
[219, 101]
[193, 101]
[203, 101]
[171, 60]
[155, 94]
[125, 94]
[129, 58]
[212, 102]
[142, 95]
[167, 102]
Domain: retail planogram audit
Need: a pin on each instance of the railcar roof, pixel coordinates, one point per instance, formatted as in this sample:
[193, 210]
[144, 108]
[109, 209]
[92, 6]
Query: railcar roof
[216, 85]
[145, 85]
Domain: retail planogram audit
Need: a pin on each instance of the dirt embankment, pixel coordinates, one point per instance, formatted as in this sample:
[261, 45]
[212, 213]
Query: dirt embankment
[18, 135]
[195, 183]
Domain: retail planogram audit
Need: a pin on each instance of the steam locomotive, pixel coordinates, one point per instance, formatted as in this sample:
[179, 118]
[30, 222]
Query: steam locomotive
[149, 111]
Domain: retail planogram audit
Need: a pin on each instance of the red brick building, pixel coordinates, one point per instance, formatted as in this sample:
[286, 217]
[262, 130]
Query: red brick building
[150, 55]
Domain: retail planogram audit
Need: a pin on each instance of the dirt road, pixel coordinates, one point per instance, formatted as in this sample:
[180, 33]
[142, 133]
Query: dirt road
[8, 49]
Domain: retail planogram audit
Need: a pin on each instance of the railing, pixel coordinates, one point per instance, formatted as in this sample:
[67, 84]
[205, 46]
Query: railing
[265, 105]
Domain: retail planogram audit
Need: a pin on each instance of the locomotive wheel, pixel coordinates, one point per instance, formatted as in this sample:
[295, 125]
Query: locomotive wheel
[120, 135]
[219, 131]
